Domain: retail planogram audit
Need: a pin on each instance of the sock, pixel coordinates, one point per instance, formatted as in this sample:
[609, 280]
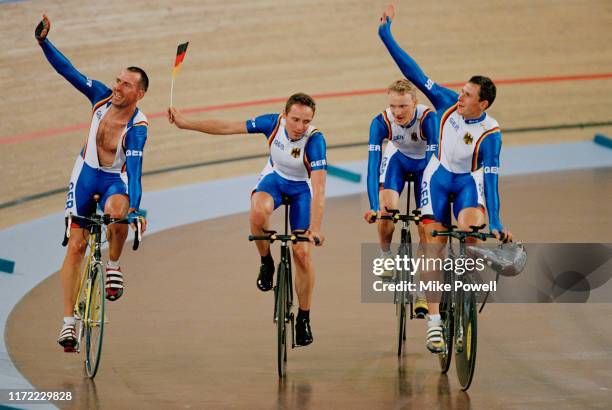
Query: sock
[69, 320]
[112, 264]
[434, 320]
[267, 260]
[303, 314]
[385, 254]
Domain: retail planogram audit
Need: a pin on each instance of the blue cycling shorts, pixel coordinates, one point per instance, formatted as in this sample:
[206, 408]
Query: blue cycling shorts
[298, 193]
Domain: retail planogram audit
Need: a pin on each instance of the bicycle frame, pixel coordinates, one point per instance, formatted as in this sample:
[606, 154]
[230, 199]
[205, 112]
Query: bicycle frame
[91, 284]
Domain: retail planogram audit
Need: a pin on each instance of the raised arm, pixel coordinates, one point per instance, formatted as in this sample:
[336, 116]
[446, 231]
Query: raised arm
[93, 90]
[439, 96]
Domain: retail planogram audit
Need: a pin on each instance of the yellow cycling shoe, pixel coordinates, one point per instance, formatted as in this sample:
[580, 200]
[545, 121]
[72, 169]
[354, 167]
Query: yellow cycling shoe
[420, 307]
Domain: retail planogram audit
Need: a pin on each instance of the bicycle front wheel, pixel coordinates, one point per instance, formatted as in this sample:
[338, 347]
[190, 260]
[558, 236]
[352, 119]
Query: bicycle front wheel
[281, 319]
[447, 315]
[466, 322]
[401, 327]
[401, 300]
[93, 322]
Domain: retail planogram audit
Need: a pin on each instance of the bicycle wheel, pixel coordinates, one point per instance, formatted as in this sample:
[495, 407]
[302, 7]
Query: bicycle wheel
[93, 322]
[281, 313]
[401, 298]
[401, 325]
[466, 318]
[447, 315]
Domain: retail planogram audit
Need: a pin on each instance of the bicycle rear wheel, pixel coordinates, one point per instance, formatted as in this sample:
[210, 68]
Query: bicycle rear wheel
[466, 318]
[281, 316]
[93, 322]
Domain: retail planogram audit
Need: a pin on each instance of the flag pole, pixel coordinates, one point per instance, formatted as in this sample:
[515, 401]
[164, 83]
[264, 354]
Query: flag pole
[171, 90]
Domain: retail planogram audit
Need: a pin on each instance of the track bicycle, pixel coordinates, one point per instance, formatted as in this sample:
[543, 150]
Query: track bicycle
[283, 291]
[402, 298]
[89, 308]
[458, 310]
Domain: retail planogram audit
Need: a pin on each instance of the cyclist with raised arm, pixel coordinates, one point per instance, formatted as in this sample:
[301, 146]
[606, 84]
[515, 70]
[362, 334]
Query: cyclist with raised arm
[466, 163]
[296, 169]
[110, 164]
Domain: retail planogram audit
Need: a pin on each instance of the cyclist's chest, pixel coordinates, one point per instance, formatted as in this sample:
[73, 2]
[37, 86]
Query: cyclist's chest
[108, 139]
[458, 139]
[286, 152]
[408, 140]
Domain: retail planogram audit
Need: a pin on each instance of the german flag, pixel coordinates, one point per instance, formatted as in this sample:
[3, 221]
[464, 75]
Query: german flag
[180, 55]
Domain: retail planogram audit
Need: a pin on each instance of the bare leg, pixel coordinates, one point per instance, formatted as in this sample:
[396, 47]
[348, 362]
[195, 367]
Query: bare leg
[69, 273]
[470, 217]
[388, 199]
[116, 206]
[304, 274]
[262, 206]
[434, 249]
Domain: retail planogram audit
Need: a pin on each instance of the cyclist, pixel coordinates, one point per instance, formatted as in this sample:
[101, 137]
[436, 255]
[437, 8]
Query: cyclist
[410, 129]
[297, 169]
[466, 163]
[109, 164]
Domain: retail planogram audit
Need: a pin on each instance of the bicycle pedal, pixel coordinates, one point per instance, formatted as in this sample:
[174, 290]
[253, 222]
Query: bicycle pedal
[71, 348]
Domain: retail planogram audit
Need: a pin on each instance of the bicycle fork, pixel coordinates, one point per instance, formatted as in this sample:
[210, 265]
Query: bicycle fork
[289, 280]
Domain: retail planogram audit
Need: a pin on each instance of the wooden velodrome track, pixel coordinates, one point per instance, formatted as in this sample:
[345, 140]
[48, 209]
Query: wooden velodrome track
[202, 336]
